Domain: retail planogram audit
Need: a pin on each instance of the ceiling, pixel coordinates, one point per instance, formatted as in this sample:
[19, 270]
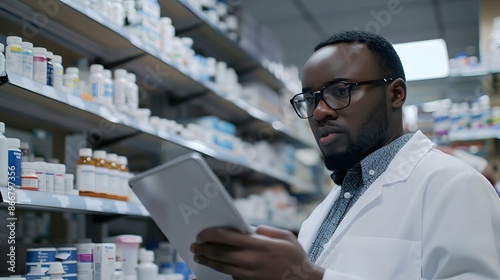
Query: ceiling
[298, 25]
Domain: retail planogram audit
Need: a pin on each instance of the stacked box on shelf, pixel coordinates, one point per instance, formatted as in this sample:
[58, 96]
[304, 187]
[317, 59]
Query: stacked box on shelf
[261, 96]
[221, 133]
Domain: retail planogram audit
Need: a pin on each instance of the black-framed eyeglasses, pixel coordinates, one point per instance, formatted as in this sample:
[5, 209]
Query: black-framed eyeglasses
[335, 94]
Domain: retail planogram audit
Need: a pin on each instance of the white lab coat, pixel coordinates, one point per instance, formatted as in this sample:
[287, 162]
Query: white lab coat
[428, 216]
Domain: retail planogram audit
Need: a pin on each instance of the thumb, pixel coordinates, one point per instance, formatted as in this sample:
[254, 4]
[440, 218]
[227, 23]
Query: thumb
[275, 233]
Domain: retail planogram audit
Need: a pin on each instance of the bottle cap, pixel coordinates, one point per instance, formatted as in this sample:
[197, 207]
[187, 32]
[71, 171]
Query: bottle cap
[40, 166]
[72, 70]
[50, 55]
[85, 152]
[56, 268]
[14, 40]
[96, 68]
[57, 59]
[2, 127]
[118, 265]
[60, 168]
[49, 167]
[39, 50]
[107, 73]
[68, 176]
[25, 145]
[100, 154]
[119, 73]
[2, 48]
[28, 165]
[36, 270]
[131, 77]
[166, 20]
[27, 45]
[111, 157]
[13, 142]
[122, 160]
[146, 256]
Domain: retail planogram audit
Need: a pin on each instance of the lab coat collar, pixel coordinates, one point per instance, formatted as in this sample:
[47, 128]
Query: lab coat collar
[399, 169]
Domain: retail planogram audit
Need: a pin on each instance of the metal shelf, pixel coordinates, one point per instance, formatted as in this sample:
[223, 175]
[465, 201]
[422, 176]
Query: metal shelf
[24, 99]
[155, 71]
[210, 39]
[474, 134]
[61, 202]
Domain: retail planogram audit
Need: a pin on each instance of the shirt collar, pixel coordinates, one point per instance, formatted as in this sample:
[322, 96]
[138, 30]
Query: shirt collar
[373, 165]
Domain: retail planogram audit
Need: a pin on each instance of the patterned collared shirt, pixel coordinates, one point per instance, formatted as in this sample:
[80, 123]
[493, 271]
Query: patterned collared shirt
[353, 184]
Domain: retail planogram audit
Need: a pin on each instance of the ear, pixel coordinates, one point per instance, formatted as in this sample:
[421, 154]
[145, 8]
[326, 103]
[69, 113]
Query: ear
[397, 93]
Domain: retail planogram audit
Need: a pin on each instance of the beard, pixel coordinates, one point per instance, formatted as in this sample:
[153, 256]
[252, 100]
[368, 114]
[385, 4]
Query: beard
[370, 138]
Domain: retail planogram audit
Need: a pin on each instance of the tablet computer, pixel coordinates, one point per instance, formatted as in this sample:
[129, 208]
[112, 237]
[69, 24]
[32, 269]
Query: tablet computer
[183, 197]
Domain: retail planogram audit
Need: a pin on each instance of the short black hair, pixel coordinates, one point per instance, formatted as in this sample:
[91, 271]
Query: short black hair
[384, 52]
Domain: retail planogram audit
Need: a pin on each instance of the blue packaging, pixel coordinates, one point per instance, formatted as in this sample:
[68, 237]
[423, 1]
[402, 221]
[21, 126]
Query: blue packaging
[66, 254]
[36, 255]
[70, 276]
[31, 267]
[14, 154]
[69, 267]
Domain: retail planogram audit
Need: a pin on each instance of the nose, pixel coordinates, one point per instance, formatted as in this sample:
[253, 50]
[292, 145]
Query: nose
[322, 111]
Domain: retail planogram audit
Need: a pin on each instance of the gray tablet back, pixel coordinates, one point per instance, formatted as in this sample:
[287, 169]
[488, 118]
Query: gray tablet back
[183, 197]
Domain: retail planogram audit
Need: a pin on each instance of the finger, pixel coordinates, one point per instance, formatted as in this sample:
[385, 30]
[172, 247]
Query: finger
[226, 236]
[221, 253]
[275, 233]
[223, 267]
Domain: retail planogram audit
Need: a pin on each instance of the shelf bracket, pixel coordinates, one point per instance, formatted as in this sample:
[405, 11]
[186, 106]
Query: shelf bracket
[111, 141]
[120, 62]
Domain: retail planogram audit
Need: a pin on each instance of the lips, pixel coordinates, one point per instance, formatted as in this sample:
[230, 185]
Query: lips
[327, 134]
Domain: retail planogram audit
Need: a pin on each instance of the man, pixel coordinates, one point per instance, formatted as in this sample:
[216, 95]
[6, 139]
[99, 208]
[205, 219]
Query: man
[400, 209]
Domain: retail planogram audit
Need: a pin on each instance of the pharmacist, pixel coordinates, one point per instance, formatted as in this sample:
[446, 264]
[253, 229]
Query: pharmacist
[400, 209]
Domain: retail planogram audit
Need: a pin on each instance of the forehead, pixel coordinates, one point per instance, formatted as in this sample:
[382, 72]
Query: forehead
[345, 60]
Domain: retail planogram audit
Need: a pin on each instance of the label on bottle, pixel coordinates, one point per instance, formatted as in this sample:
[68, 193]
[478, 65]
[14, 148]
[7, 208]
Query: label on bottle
[29, 182]
[94, 89]
[85, 177]
[114, 182]
[50, 73]
[59, 184]
[49, 181]
[40, 69]
[101, 180]
[14, 57]
[41, 180]
[14, 173]
[28, 64]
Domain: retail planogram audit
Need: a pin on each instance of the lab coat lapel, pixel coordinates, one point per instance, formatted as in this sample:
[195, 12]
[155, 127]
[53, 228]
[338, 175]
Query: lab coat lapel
[398, 170]
[311, 226]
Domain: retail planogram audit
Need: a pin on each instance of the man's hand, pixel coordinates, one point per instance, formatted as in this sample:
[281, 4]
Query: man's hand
[268, 254]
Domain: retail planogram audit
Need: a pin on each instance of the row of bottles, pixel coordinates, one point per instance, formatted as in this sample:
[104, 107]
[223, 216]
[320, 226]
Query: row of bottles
[102, 174]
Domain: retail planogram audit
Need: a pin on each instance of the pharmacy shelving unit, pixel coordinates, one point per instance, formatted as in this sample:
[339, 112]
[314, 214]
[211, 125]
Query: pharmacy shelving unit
[70, 18]
[191, 22]
[56, 110]
[76, 31]
[37, 200]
